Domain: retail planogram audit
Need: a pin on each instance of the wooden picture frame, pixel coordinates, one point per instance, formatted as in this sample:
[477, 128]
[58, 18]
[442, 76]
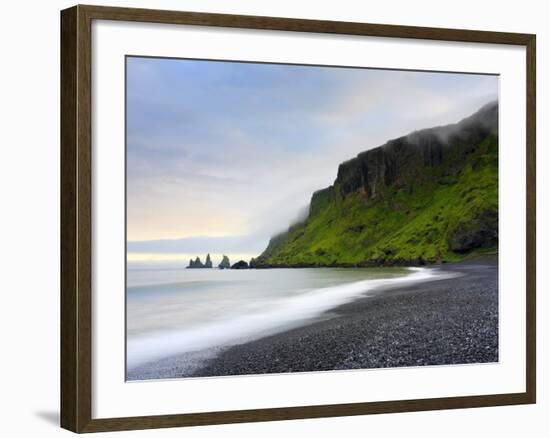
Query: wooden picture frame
[76, 218]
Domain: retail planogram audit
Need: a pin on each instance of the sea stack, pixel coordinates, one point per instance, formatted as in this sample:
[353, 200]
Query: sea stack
[195, 264]
[224, 264]
[208, 263]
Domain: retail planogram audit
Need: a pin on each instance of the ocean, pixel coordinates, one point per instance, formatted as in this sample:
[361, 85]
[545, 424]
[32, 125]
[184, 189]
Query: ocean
[173, 311]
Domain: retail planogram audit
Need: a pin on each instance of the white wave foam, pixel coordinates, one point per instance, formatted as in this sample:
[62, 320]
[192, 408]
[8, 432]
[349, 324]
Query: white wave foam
[281, 314]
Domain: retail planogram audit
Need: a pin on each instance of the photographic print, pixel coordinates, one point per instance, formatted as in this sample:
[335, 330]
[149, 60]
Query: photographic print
[297, 218]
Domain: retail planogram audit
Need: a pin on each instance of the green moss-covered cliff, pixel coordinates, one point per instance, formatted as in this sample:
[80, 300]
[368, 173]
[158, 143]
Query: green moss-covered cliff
[427, 197]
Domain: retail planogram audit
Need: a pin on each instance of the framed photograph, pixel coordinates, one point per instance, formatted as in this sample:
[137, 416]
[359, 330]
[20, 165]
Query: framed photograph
[270, 218]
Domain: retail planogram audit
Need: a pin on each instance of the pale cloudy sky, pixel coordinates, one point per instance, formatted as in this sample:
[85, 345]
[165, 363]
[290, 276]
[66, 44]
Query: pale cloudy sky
[222, 155]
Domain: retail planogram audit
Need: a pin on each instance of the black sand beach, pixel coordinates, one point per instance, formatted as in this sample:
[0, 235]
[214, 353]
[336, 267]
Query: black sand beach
[447, 321]
[452, 321]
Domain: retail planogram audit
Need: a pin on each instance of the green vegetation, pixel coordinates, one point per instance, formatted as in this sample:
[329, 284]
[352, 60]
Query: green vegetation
[434, 213]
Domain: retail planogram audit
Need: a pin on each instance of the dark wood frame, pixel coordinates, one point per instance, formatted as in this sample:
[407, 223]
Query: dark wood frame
[76, 218]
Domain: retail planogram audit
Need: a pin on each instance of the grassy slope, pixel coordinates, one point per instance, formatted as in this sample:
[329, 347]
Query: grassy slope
[415, 224]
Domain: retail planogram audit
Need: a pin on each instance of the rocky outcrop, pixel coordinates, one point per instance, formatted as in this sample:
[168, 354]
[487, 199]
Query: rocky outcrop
[195, 264]
[241, 264]
[479, 232]
[224, 264]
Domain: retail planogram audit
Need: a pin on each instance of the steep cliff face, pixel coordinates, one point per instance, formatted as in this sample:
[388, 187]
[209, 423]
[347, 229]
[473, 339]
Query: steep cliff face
[410, 159]
[429, 196]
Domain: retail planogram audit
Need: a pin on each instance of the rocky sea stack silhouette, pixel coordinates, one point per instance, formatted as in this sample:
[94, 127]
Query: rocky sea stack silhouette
[225, 263]
[197, 264]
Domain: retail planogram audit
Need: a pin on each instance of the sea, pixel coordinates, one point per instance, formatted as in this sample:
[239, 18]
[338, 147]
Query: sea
[172, 311]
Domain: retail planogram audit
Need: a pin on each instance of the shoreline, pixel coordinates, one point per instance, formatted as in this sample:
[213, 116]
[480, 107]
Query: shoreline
[443, 321]
[381, 263]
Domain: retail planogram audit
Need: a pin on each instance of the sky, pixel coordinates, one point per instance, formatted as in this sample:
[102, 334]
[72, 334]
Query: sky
[223, 155]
